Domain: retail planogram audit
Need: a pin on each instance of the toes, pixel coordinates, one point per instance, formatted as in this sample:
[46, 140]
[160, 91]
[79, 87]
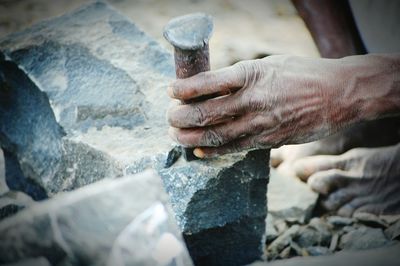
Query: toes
[391, 205]
[348, 209]
[338, 199]
[374, 208]
[308, 166]
[327, 181]
[290, 153]
[276, 157]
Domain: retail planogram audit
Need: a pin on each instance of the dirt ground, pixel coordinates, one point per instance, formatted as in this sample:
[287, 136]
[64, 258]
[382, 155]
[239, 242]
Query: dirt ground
[242, 29]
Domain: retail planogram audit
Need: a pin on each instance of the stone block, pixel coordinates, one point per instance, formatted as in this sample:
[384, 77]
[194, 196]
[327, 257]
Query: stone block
[127, 221]
[83, 98]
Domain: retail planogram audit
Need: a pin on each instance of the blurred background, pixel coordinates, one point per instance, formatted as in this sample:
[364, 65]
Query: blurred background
[242, 29]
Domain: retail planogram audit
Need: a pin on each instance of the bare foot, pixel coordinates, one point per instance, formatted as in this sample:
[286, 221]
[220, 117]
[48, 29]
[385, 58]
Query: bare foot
[360, 180]
[379, 133]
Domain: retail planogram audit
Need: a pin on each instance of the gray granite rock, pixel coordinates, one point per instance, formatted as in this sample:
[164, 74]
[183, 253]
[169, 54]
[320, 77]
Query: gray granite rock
[320, 225]
[270, 231]
[363, 238]
[309, 236]
[17, 181]
[127, 221]
[282, 241]
[280, 225]
[388, 256]
[88, 70]
[83, 98]
[285, 253]
[349, 228]
[318, 251]
[299, 251]
[315, 233]
[334, 242]
[339, 221]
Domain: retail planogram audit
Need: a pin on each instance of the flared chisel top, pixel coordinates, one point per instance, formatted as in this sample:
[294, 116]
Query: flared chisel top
[189, 32]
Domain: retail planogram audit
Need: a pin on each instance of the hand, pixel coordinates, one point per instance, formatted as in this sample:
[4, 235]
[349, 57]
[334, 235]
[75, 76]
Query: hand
[265, 103]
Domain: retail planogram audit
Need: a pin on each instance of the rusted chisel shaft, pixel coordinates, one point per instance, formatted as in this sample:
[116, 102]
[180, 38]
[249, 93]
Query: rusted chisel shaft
[189, 35]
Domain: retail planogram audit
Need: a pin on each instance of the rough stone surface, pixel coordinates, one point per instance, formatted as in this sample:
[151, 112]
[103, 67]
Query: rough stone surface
[279, 224]
[270, 231]
[339, 221]
[298, 250]
[314, 234]
[334, 242]
[16, 180]
[282, 241]
[363, 238]
[327, 235]
[318, 251]
[84, 227]
[388, 256]
[83, 98]
[289, 198]
[309, 236]
[393, 231]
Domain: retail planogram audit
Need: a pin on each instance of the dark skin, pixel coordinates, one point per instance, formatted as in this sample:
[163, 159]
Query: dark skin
[354, 188]
[359, 180]
[281, 100]
[333, 29]
[285, 100]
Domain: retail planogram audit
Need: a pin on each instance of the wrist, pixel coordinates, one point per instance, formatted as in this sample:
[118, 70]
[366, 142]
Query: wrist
[376, 86]
[367, 88]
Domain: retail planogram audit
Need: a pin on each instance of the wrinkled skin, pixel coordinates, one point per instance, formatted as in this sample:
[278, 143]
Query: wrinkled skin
[287, 100]
[360, 180]
[281, 100]
[334, 31]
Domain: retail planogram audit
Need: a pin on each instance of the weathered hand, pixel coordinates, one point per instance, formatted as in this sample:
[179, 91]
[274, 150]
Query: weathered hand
[265, 103]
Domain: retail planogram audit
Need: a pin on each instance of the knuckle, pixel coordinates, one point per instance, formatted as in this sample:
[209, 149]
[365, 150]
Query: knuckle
[212, 138]
[200, 117]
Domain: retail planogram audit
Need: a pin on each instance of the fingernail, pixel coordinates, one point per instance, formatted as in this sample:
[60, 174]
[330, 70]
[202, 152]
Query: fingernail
[170, 92]
[199, 153]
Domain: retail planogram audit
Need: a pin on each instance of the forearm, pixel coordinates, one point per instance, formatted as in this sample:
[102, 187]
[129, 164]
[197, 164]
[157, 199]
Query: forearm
[282, 100]
[332, 27]
[371, 89]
